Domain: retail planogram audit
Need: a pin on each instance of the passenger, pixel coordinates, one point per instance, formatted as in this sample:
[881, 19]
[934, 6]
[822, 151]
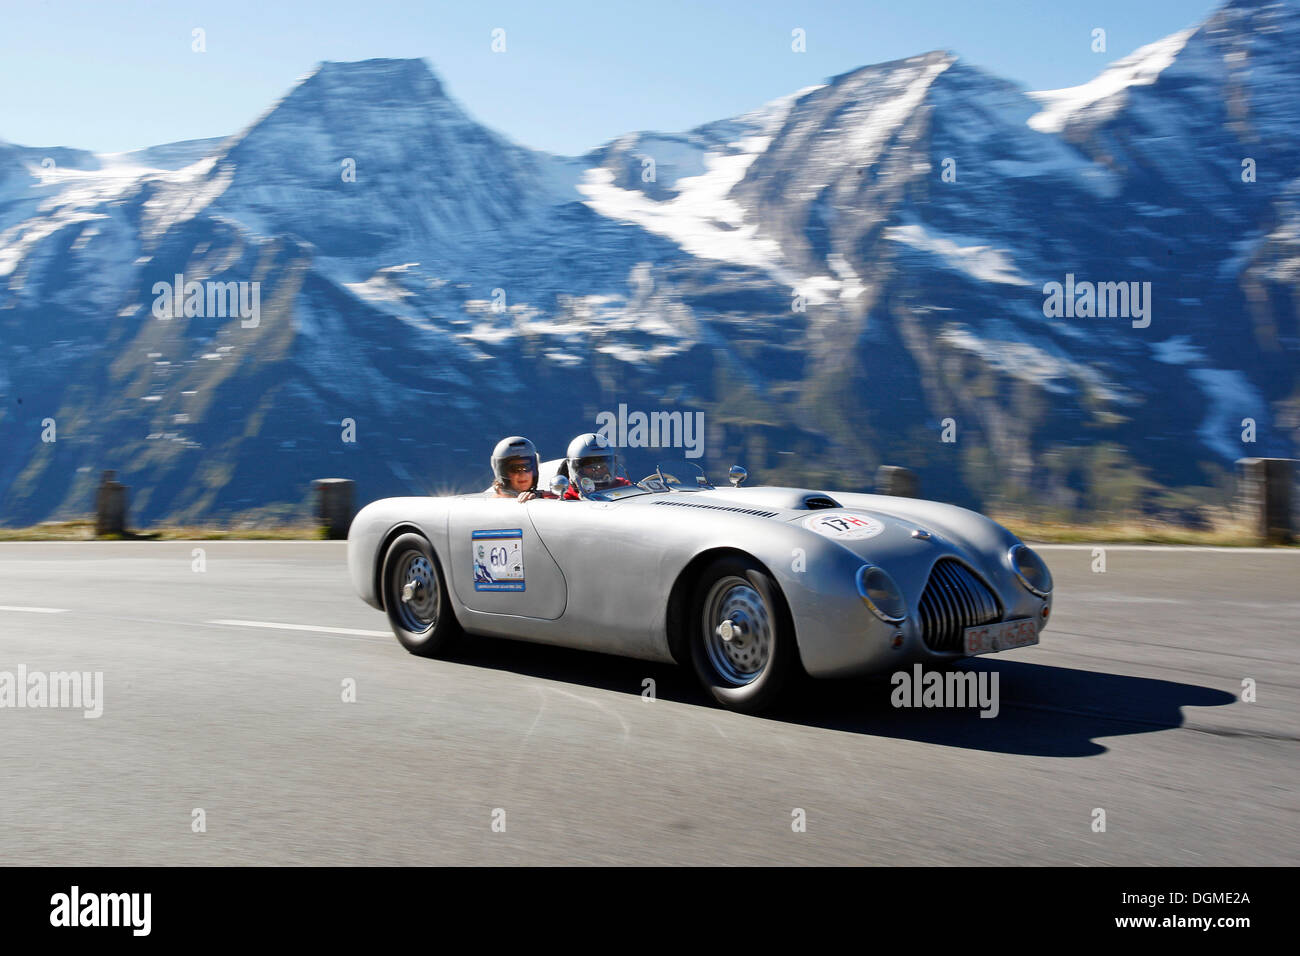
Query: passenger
[515, 465]
[590, 456]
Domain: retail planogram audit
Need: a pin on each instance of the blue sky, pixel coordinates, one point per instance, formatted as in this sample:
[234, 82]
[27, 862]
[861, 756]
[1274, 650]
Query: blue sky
[119, 75]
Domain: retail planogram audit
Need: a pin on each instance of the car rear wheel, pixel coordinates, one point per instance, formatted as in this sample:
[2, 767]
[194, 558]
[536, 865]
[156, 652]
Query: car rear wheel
[742, 641]
[415, 596]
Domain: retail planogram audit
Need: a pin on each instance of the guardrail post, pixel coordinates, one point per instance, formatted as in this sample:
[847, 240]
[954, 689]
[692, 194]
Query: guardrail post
[110, 505]
[334, 505]
[1264, 497]
[897, 481]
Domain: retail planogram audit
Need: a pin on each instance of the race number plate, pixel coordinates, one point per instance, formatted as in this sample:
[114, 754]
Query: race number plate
[498, 560]
[990, 638]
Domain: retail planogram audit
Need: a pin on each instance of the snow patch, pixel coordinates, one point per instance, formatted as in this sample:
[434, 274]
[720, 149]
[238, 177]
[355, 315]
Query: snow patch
[979, 262]
[1178, 350]
[1016, 358]
[1231, 399]
[382, 287]
[1139, 68]
[700, 218]
[707, 224]
[851, 286]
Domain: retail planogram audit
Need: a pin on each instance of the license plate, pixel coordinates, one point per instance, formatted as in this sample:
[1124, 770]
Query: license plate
[991, 638]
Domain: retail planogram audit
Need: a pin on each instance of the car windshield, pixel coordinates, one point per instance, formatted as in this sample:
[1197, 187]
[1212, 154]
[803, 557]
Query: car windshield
[679, 475]
[616, 493]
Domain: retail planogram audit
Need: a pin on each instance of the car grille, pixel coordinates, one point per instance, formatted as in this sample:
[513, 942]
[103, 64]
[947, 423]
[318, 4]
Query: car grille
[954, 599]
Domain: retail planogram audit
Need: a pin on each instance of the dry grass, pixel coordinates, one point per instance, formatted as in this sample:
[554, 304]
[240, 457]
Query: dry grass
[1223, 533]
[84, 530]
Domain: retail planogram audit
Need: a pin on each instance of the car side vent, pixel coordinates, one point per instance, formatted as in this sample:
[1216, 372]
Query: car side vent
[814, 502]
[743, 511]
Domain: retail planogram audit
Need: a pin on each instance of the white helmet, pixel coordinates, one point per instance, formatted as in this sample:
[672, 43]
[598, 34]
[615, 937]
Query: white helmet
[590, 456]
[510, 450]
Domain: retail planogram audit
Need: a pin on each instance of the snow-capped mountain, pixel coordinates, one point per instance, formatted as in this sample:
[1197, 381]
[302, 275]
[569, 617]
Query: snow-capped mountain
[840, 278]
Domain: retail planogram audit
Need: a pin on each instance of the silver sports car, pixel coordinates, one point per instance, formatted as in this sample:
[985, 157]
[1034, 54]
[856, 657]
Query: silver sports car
[751, 586]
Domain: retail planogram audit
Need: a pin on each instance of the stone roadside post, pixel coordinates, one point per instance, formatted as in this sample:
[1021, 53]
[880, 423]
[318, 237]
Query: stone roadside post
[1264, 497]
[110, 505]
[334, 505]
[898, 481]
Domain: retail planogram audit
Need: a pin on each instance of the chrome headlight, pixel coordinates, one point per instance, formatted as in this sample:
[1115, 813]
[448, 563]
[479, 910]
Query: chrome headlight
[1031, 570]
[881, 594]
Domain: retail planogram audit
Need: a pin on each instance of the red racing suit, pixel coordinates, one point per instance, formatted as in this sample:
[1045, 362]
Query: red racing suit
[573, 494]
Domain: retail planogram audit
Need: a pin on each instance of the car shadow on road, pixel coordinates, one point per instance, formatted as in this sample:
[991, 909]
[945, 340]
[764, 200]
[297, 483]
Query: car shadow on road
[1042, 710]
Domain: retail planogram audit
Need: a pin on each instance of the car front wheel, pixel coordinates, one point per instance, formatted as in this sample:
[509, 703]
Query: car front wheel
[416, 599]
[742, 644]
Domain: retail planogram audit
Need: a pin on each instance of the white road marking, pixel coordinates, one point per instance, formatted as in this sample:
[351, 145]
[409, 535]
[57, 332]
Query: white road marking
[626, 730]
[1162, 547]
[35, 610]
[523, 744]
[1123, 599]
[303, 627]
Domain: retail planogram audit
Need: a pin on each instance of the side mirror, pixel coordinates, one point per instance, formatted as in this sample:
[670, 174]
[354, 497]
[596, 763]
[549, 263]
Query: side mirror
[737, 475]
[559, 485]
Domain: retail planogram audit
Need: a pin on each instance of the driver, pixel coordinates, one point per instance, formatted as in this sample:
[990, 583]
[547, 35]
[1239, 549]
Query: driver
[590, 456]
[515, 464]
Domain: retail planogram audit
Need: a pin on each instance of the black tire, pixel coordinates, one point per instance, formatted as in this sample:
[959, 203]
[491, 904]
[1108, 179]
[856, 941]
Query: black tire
[424, 623]
[738, 673]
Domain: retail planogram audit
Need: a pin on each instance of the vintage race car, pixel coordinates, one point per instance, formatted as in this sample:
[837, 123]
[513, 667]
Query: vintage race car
[750, 586]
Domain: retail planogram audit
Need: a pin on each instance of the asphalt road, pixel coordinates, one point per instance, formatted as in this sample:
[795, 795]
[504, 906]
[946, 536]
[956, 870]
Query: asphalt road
[1132, 704]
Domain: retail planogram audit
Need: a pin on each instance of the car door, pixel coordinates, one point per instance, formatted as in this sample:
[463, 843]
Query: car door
[499, 564]
[612, 557]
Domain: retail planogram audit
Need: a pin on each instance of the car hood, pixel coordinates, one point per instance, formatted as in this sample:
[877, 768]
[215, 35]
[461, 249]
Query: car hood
[869, 525]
